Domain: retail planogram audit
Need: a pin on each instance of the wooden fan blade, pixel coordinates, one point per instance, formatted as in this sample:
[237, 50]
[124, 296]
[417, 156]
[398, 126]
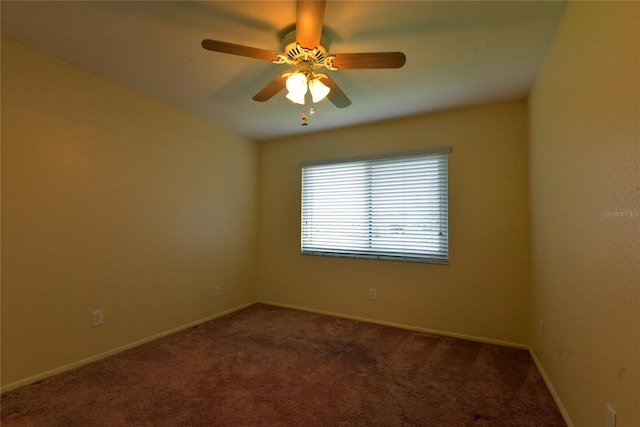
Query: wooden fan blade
[352, 61]
[309, 17]
[240, 50]
[267, 92]
[336, 95]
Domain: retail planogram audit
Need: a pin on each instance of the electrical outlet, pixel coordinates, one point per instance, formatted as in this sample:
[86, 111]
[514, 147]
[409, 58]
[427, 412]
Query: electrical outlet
[97, 318]
[372, 293]
[611, 417]
[541, 327]
[218, 290]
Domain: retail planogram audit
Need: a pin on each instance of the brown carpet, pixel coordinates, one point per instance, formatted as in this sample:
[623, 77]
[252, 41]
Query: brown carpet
[270, 366]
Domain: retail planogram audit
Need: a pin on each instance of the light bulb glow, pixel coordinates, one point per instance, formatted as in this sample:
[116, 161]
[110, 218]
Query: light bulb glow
[318, 90]
[297, 87]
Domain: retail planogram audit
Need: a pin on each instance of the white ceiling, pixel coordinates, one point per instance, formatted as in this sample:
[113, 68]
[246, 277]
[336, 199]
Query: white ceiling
[458, 53]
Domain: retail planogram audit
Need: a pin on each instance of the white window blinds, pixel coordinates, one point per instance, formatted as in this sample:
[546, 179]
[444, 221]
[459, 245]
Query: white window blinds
[390, 208]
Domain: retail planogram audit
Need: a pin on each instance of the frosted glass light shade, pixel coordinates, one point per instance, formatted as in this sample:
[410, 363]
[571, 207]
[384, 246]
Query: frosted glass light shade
[318, 90]
[297, 87]
[296, 98]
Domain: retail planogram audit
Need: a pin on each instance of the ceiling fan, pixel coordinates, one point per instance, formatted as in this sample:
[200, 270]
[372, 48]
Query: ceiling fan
[304, 52]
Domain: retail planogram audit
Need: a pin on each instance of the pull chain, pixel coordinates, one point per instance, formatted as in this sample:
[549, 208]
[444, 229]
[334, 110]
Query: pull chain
[303, 117]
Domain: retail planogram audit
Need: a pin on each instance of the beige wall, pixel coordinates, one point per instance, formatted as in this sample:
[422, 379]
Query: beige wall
[482, 293]
[112, 200]
[585, 167]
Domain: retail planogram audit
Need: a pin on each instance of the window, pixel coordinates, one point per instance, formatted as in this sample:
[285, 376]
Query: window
[392, 207]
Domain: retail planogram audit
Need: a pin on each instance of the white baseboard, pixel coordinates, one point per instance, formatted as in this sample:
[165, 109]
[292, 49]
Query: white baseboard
[116, 350]
[401, 326]
[552, 390]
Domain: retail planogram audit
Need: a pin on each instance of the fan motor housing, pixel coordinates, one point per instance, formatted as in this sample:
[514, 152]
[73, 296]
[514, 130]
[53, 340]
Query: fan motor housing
[297, 53]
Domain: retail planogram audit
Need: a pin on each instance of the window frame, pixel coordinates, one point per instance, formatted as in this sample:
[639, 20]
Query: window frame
[437, 256]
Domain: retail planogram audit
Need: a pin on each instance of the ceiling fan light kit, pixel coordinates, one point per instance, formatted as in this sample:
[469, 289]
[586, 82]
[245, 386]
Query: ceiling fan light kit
[304, 52]
[299, 82]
